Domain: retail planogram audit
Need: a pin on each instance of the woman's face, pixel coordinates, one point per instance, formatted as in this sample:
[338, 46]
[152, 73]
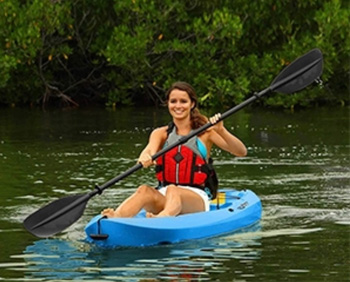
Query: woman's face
[179, 104]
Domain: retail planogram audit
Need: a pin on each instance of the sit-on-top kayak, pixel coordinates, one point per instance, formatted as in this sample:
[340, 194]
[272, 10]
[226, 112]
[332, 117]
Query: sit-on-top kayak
[233, 211]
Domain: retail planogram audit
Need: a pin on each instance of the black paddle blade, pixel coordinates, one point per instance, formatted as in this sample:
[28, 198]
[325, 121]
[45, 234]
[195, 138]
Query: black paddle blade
[56, 216]
[300, 73]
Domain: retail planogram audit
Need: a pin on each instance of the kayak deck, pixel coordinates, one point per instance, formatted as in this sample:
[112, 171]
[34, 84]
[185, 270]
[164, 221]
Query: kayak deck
[235, 210]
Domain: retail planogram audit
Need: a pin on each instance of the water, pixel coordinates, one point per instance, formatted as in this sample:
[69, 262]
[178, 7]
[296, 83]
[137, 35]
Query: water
[298, 163]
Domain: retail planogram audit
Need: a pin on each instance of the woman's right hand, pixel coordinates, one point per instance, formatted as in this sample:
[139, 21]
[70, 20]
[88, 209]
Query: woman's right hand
[146, 160]
[155, 143]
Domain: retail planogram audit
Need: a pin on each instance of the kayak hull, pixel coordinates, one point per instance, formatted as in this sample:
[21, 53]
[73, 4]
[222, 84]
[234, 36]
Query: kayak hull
[239, 210]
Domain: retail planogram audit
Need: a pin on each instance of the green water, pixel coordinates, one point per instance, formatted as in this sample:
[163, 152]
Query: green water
[298, 164]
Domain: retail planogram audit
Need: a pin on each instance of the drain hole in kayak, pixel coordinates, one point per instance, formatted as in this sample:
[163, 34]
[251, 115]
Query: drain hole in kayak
[164, 243]
[231, 210]
[99, 236]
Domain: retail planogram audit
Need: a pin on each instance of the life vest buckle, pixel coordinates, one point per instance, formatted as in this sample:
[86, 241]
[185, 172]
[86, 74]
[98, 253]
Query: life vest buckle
[198, 168]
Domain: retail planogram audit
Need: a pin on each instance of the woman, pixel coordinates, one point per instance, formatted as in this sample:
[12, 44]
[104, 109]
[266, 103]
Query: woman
[171, 199]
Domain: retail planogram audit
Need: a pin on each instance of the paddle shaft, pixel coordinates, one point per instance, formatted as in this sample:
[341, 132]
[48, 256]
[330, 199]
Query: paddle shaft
[199, 130]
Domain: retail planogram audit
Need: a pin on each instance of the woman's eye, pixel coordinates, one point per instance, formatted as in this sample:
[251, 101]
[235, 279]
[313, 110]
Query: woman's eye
[182, 101]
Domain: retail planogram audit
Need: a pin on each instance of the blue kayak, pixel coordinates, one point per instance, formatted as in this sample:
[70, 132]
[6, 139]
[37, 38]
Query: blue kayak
[233, 211]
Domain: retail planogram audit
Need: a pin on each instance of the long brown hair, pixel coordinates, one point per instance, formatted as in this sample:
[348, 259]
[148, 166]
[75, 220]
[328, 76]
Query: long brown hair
[197, 119]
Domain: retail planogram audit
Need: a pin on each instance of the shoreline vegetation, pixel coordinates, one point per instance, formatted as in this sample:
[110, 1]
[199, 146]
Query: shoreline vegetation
[126, 53]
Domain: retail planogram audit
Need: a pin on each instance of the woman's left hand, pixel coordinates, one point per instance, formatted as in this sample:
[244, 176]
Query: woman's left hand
[218, 125]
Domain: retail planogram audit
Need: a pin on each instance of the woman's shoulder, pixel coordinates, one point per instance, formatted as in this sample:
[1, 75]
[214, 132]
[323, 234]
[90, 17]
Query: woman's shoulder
[160, 132]
[161, 129]
[207, 137]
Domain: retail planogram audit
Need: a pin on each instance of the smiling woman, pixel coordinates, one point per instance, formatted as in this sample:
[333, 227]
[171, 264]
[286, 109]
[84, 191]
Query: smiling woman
[182, 188]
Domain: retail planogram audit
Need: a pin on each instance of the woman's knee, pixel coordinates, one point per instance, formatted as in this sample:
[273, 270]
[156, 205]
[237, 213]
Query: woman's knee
[172, 189]
[144, 190]
[173, 192]
[153, 201]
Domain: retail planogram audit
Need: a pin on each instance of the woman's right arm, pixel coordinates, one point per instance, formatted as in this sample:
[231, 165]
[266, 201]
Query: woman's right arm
[155, 143]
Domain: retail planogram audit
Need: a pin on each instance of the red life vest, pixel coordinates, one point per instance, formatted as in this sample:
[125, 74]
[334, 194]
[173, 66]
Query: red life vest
[184, 165]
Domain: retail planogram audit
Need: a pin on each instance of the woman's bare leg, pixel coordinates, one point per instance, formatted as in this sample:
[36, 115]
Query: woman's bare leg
[180, 201]
[145, 197]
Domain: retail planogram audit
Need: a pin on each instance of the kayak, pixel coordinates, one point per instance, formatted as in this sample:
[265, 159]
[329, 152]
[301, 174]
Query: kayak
[233, 211]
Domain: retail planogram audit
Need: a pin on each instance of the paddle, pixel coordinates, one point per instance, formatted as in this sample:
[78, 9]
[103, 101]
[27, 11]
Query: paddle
[58, 215]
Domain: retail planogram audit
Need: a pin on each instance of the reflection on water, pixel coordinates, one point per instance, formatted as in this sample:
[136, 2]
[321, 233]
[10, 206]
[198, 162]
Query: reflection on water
[57, 259]
[199, 260]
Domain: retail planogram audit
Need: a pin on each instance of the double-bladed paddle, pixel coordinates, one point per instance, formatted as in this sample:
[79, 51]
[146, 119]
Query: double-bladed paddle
[61, 213]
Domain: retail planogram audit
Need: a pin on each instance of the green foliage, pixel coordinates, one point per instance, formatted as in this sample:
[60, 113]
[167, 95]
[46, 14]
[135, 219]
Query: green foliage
[124, 52]
[33, 39]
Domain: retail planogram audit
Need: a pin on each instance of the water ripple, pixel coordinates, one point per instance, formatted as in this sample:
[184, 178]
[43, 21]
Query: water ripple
[60, 259]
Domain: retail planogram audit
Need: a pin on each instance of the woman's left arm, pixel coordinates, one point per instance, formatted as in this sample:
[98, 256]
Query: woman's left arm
[222, 138]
